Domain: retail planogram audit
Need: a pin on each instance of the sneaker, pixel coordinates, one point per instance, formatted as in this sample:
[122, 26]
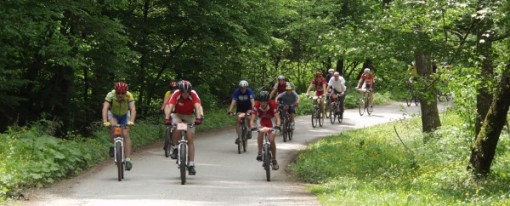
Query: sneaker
[191, 170]
[248, 136]
[237, 141]
[111, 151]
[174, 154]
[259, 157]
[275, 165]
[129, 165]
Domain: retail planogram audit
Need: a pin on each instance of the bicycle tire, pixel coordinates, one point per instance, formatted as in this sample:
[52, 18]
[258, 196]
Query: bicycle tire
[267, 162]
[361, 106]
[331, 114]
[240, 142]
[182, 166]
[118, 161]
[245, 138]
[321, 118]
[290, 131]
[370, 108]
[168, 145]
[314, 115]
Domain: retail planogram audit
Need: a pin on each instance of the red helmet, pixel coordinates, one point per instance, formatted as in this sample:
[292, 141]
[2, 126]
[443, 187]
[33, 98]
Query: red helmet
[173, 85]
[121, 87]
[184, 86]
[318, 74]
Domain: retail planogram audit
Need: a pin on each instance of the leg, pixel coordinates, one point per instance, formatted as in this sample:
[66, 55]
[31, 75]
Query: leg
[127, 143]
[191, 146]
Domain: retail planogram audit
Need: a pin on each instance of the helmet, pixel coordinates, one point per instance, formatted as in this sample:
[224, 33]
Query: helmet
[172, 85]
[184, 86]
[281, 77]
[331, 70]
[318, 74]
[243, 83]
[288, 87]
[263, 96]
[121, 87]
[367, 70]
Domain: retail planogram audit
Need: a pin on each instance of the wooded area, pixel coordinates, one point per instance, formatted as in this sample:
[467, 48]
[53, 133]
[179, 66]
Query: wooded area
[58, 59]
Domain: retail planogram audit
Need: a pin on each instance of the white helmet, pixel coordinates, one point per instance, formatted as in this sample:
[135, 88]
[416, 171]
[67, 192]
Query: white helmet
[367, 70]
[243, 83]
[281, 77]
[331, 70]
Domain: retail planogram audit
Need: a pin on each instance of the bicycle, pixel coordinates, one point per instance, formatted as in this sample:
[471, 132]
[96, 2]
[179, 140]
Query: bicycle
[182, 149]
[168, 141]
[411, 96]
[242, 134]
[317, 118]
[364, 102]
[118, 150]
[266, 151]
[335, 109]
[286, 124]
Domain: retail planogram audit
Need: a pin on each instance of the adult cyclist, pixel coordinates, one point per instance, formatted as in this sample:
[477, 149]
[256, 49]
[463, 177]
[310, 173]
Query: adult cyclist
[330, 75]
[243, 97]
[319, 82]
[188, 109]
[337, 87]
[119, 108]
[266, 111]
[289, 99]
[172, 87]
[367, 81]
[280, 85]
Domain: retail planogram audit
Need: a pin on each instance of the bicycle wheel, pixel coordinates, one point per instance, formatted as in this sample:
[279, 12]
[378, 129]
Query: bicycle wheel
[168, 144]
[290, 132]
[267, 162]
[321, 118]
[183, 159]
[240, 143]
[361, 106]
[314, 117]
[331, 113]
[118, 161]
[370, 107]
[245, 138]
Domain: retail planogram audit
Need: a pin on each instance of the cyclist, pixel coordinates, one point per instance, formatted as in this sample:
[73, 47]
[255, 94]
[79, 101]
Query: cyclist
[172, 87]
[367, 80]
[337, 86]
[244, 98]
[119, 108]
[185, 101]
[319, 82]
[291, 99]
[266, 110]
[330, 75]
[280, 85]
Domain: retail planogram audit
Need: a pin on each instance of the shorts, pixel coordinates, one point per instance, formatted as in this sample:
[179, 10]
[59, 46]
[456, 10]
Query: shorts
[180, 118]
[121, 119]
[369, 87]
[266, 122]
[292, 109]
[319, 93]
[243, 109]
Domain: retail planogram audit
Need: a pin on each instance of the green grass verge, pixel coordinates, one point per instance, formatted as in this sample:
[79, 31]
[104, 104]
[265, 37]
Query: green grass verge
[30, 157]
[372, 167]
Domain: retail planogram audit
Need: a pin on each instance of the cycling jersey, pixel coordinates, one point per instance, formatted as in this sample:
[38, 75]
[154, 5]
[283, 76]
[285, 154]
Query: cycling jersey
[318, 83]
[266, 114]
[288, 98]
[168, 94]
[369, 79]
[117, 107]
[280, 88]
[243, 100]
[337, 85]
[184, 106]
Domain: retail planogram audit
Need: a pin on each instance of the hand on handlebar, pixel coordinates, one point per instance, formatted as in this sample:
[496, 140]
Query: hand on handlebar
[130, 123]
[106, 124]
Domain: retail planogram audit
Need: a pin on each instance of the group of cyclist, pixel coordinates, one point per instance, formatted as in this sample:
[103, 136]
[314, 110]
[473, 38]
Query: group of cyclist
[182, 104]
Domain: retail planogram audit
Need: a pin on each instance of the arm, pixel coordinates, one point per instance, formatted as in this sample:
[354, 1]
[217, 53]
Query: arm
[308, 90]
[132, 109]
[168, 109]
[277, 117]
[273, 92]
[232, 105]
[106, 106]
[199, 109]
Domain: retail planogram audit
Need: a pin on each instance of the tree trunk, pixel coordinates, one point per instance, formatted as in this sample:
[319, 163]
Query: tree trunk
[340, 66]
[430, 114]
[484, 96]
[486, 141]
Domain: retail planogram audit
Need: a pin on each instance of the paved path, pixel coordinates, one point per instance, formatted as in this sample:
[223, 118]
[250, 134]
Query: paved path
[223, 176]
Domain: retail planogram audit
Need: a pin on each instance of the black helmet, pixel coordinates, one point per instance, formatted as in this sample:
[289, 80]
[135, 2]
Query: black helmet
[263, 96]
[184, 86]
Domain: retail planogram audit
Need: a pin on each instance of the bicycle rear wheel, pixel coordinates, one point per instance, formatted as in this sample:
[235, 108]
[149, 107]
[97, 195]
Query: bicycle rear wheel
[370, 107]
[183, 159]
[118, 161]
[361, 106]
[245, 138]
[168, 142]
[240, 142]
[314, 117]
[267, 162]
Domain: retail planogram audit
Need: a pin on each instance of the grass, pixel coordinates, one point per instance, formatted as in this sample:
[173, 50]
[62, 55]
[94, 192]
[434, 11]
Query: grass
[372, 167]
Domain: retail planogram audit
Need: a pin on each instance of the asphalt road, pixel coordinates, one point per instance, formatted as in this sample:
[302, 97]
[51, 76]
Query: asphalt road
[223, 177]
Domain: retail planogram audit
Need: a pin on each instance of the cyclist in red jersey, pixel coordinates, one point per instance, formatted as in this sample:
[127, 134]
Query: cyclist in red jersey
[266, 110]
[185, 101]
[320, 84]
[367, 82]
[280, 86]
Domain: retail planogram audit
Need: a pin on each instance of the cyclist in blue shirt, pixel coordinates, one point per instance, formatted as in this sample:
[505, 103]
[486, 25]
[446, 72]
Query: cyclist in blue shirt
[243, 97]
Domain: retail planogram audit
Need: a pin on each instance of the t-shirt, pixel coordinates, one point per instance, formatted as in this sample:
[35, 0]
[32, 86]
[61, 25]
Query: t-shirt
[184, 106]
[318, 83]
[266, 114]
[337, 85]
[368, 78]
[281, 87]
[288, 98]
[168, 94]
[243, 99]
[117, 107]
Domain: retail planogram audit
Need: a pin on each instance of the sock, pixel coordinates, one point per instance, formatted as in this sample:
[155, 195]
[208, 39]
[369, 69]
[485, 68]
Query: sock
[128, 159]
[191, 163]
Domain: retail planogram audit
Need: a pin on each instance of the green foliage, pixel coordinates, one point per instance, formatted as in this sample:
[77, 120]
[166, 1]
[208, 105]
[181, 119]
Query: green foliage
[371, 166]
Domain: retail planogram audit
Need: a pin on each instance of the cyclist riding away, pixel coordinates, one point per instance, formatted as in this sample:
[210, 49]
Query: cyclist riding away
[266, 111]
[337, 86]
[319, 82]
[367, 80]
[119, 108]
[280, 85]
[172, 86]
[185, 101]
[289, 99]
[244, 98]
